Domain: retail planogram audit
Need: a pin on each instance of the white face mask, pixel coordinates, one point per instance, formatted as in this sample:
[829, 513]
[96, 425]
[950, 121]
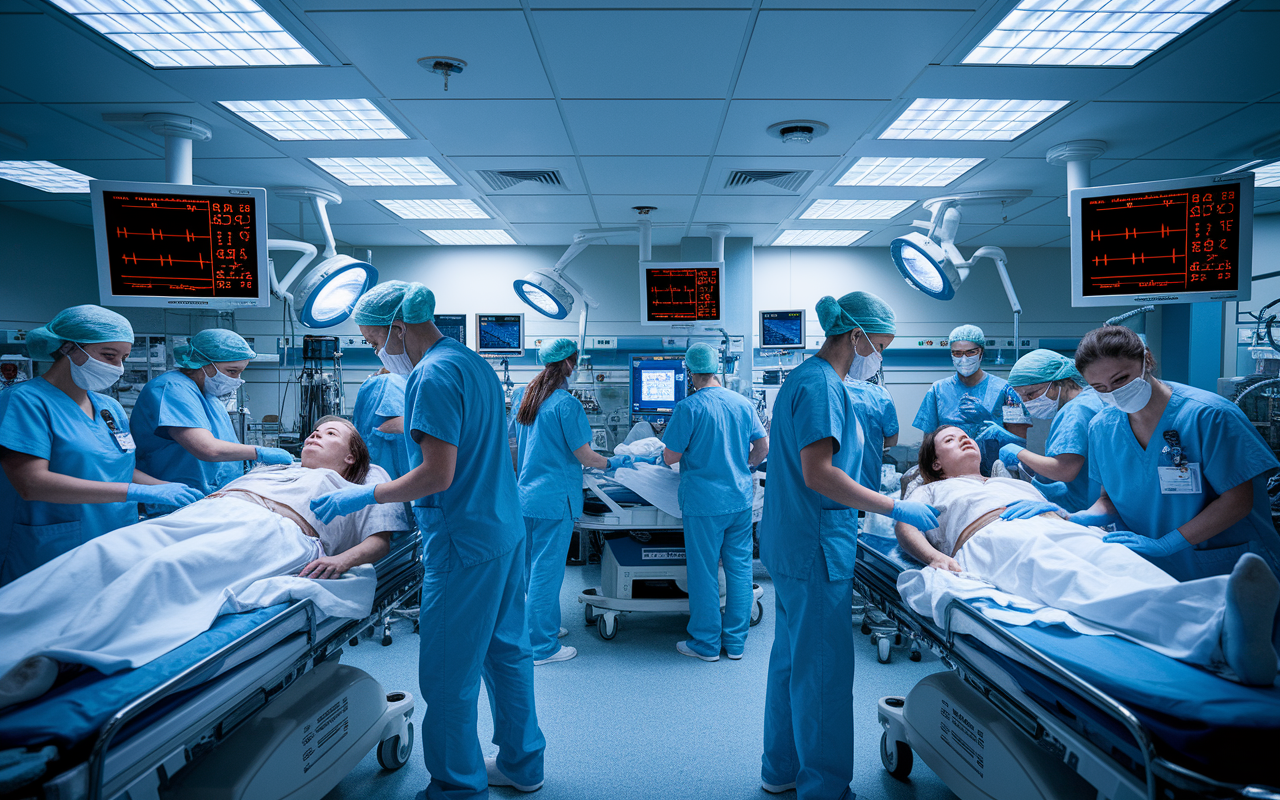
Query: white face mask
[219, 384]
[967, 365]
[863, 367]
[94, 375]
[1044, 406]
[396, 363]
[1132, 397]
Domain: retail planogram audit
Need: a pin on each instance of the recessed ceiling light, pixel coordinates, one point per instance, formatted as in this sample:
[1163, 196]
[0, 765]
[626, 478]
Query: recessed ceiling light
[987, 120]
[907, 171]
[192, 33]
[1088, 33]
[856, 209]
[471, 237]
[1267, 176]
[394, 171]
[816, 238]
[435, 209]
[45, 176]
[315, 120]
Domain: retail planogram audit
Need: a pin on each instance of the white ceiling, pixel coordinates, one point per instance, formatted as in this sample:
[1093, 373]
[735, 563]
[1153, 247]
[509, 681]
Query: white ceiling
[647, 105]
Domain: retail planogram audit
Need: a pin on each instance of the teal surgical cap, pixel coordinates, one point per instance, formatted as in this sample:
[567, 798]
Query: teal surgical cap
[557, 350]
[968, 333]
[208, 346]
[79, 324]
[395, 300]
[856, 310]
[1043, 366]
[702, 359]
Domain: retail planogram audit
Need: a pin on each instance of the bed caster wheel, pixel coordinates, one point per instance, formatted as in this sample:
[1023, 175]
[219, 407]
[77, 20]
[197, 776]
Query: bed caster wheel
[607, 626]
[355, 640]
[897, 638]
[386, 641]
[590, 614]
[896, 757]
[915, 653]
[394, 754]
[757, 613]
[882, 650]
[866, 629]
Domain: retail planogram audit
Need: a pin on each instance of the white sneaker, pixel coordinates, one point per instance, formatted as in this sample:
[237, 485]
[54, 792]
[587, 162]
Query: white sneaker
[563, 654]
[683, 649]
[733, 656]
[496, 778]
[563, 633]
[777, 788]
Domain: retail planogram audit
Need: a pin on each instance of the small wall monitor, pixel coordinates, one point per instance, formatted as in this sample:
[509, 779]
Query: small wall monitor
[453, 325]
[658, 382]
[681, 293]
[782, 330]
[1177, 241]
[169, 245]
[500, 334]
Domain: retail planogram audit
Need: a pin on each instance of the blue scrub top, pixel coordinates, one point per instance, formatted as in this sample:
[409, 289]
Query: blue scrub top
[38, 419]
[172, 400]
[941, 405]
[798, 522]
[380, 398]
[879, 418]
[549, 475]
[454, 395]
[1217, 436]
[1069, 433]
[714, 429]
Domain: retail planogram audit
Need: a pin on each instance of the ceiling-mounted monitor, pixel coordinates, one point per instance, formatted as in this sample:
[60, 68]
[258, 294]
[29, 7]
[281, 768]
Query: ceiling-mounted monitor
[500, 334]
[453, 325]
[681, 292]
[178, 246]
[1177, 241]
[782, 330]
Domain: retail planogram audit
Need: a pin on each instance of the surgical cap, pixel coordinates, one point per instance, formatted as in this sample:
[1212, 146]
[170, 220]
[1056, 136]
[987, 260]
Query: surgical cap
[557, 350]
[702, 359]
[1043, 366]
[208, 346]
[395, 300]
[80, 324]
[968, 333]
[856, 310]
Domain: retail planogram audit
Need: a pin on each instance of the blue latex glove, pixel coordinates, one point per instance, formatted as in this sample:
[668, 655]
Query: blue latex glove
[274, 455]
[1026, 509]
[1009, 457]
[918, 515]
[1093, 520]
[621, 462]
[342, 502]
[971, 410]
[1165, 546]
[163, 494]
[999, 433]
[655, 460]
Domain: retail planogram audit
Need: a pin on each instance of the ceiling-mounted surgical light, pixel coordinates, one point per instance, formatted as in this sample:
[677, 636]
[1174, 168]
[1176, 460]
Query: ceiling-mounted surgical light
[548, 292]
[925, 266]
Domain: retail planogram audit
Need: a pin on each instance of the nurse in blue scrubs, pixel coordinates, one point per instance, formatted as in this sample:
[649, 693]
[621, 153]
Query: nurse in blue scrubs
[67, 455]
[879, 418]
[808, 539]
[464, 497]
[379, 418]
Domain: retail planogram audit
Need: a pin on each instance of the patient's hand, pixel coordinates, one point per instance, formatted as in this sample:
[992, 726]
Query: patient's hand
[326, 567]
[941, 561]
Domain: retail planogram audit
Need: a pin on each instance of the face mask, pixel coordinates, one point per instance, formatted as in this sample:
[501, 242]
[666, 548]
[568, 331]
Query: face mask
[396, 363]
[220, 384]
[1043, 407]
[1132, 397]
[94, 375]
[967, 365]
[863, 367]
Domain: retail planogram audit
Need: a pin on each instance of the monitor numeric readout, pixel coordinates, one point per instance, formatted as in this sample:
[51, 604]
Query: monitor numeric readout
[682, 294]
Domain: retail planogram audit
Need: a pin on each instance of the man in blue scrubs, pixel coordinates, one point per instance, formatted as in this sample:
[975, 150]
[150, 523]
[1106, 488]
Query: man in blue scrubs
[379, 417]
[716, 438]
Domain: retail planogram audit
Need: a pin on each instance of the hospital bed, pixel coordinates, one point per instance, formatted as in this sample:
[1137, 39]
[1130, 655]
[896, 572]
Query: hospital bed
[257, 707]
[1042, 712]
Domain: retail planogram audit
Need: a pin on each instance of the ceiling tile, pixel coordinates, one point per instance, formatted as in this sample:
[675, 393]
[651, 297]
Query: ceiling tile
[229, 139]
[76, 213]
[490, 127]
[1036, 211]
[749, 209]
[1019, 236]
[748, 120]
[358, 5]
[676, 4]
[1018, 83]
[560, 233]
[643, 127]
[760, 233]
[266, 172]
[1036, 174]
[651, 175]
[52, 136]
[1155, 170]
[1234, 137]
[377, 235]
[358, 212]
[1129, 129]
[268, 83]
[619, 209]
[7, 96]
[544, 207]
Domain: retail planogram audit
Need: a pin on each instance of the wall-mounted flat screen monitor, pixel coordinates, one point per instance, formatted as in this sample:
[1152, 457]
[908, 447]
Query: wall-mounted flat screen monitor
[453, 325]
[782, 330]
[176, 246]
[658, 382]
[500, 334]
[681, 293]
[1176, 241]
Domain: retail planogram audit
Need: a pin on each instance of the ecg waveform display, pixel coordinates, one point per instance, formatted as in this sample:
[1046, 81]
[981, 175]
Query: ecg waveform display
[1175, 240]
[682, 295]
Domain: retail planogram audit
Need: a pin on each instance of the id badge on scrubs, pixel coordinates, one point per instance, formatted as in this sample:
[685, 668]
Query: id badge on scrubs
[1180, 480]
[124, 440]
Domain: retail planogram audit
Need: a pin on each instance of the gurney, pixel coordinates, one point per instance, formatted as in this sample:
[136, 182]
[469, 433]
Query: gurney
[1043, 712]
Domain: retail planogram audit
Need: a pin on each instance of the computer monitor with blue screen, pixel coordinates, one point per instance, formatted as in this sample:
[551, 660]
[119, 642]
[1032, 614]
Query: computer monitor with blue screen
[658, 382]
[782, 330]
[453, 325]
[500, 334]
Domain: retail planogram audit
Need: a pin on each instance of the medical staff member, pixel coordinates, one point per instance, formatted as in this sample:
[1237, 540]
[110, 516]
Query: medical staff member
[717, 439]
[180, 421]
[379, 418]
[808, 538]
[464, 497]
[68, 459]
[879, 418]
[1051, 388]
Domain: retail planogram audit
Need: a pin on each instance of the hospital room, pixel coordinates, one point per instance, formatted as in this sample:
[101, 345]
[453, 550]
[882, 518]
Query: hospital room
[806, 399]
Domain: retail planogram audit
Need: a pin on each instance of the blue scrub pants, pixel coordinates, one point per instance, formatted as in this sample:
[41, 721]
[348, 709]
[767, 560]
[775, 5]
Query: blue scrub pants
[707, 542]
[546, 548]
[472, 624]
[808, 717]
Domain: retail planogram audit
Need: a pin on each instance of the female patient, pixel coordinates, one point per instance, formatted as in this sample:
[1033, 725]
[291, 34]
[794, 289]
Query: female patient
[1061, 564]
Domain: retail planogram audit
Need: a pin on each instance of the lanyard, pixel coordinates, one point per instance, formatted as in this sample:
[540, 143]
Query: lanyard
[1173, 447]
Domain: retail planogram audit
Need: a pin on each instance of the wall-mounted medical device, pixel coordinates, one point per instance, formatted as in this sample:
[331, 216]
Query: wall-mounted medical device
[681, 292]
[500, 334]
[453, 326]
[658, 382]
[782, 330]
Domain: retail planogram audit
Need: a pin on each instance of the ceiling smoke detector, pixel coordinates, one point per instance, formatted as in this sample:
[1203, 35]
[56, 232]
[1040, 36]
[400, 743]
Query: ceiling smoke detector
[644, 210]
[797, 131]
[443, 65]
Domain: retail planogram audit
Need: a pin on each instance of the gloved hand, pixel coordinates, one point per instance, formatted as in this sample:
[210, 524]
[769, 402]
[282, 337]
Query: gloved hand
[274, 455]
[342, 502]
[1009, 457]
[997, 432]
[163, 494]
[656, 460]
[1026, 509]
[1166, 545]
[620, 462]
[919, 515]
[972, 411]
[1089, 520]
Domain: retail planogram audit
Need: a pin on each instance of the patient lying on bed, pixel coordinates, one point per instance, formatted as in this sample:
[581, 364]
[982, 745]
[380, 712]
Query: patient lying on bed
[1209, 622]
[135, 593]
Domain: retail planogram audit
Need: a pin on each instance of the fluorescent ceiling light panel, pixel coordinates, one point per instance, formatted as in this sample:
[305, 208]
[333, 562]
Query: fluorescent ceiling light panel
[396, 171]
[471, 237]
[907, 171]
[816, 238]
[435, 209]
[983, 120]
[192, 33]
[45, 176]
[1088, 33]
[1268, 176]
[315, 120]
[856, 209]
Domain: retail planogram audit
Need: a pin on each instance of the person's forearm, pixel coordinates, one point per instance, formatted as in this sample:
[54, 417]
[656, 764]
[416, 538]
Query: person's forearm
[372, 549]
[912, 540]
[1063, 468]
[146, 480]
[416, 483]
[834, 484]
[43, 486]
[759, 449]
[1233, 506]
[890, 441]
[1103, 506]
[394, 425]
[670, 457]
[590, 458]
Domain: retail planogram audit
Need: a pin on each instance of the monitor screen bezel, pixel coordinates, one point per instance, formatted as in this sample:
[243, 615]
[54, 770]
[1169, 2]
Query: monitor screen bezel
[645, 266]
[516, 352]
[675, 358]
[803, 329]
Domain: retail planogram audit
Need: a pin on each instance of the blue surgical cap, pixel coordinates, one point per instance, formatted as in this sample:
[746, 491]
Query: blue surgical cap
[395, 300]
[80, 324]
[702, 359]
[856, 310]
[1043, 366]
[208, 346]
[968, 333]
[557, 350]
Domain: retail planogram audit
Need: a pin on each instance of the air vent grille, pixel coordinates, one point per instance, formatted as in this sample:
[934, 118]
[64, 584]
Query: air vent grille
[788, 180]
[502, 179]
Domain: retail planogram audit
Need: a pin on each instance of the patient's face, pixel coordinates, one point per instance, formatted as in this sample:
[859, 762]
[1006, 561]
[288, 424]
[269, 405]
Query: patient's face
[957, 453]
[328, 447]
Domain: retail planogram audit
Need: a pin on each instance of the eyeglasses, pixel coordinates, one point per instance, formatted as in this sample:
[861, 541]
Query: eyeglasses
[966, 353]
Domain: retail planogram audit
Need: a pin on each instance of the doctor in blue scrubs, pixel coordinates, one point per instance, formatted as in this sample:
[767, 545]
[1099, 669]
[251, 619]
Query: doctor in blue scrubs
[464, 497]
[879, 418]
[379, 418]
[716, 438]
[808, 539]
[66, 451]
